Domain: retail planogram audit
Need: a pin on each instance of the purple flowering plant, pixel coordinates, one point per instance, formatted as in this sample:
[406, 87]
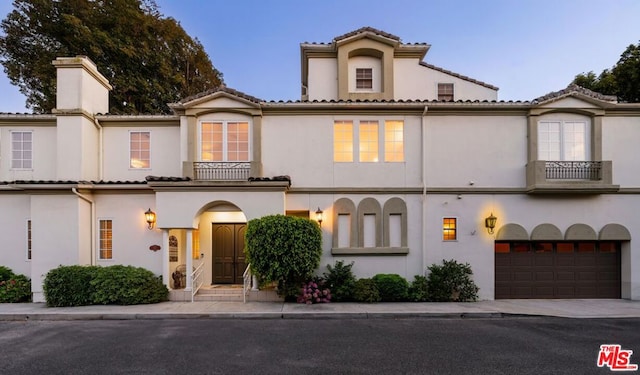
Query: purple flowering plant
[314, 292]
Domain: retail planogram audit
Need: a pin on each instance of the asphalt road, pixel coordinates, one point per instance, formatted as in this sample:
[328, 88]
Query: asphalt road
[308, 346]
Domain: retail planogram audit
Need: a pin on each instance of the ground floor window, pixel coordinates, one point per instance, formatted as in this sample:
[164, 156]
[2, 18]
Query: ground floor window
[106, 239]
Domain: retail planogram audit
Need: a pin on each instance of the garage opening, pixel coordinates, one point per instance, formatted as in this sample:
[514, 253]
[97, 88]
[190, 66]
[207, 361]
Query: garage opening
[559, 269]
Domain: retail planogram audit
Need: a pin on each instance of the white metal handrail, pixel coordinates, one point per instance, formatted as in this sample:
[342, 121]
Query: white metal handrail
[196, 280]
[246, 283]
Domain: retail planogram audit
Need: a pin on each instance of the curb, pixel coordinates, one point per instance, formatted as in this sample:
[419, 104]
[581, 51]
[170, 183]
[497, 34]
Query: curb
[248, 315]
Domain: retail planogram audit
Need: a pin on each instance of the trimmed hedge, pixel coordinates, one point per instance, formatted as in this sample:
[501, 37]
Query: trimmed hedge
[366, 291]
[341, 281]
[127, 285]
[451, 282]
[69, 286]
[392, 287]
[89, 285]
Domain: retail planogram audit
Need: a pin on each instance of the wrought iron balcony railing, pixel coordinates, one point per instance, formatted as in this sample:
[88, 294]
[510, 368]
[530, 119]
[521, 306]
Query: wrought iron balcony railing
[573, 170]
[221, 171]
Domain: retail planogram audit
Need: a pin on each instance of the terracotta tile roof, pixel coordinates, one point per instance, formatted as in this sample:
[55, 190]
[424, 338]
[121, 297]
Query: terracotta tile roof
[166, 179]
[364, 30]
[221, 88]
[573, 88]
[458, 75]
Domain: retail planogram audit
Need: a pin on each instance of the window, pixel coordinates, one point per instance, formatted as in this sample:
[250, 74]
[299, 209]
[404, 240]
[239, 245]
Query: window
[28, 239]
[445, 91]
[393, 141]
[106, 239]
[364, 78]
[195, 244]
[21, 150]
[563, 141]
[139, 150]
[368, 141]
[224, 141]
[343, 141]
[449, 229]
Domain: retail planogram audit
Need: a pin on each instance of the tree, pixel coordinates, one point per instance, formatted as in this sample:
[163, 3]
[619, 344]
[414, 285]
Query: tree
[623, 80]
[149, 60]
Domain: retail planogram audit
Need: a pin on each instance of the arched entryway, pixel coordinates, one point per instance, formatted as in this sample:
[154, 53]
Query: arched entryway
[221, 228]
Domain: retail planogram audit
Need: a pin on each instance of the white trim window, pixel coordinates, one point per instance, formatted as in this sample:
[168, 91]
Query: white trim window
[139, 149]
[224, 141]
[28, 239]
[105, 248]
[563, 140]
[21, 150]
[449, 229]
[445, 92]
[364, 78]
[366, 141]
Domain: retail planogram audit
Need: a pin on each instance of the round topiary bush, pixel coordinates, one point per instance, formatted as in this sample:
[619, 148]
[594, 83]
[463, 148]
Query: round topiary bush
[283, 249]
[392, 287]
[365, 290]
[69, 286]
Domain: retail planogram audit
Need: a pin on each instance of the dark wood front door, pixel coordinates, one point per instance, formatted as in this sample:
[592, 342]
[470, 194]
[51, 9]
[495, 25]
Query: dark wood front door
[228, 253]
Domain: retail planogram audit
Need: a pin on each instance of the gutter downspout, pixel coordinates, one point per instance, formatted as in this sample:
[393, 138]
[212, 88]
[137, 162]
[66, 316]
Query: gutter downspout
[423, 154]
[101, 147]
[93, 224]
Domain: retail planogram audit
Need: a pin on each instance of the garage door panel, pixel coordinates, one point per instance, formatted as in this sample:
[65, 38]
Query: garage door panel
[541, 260]
[607, 276]
[565, 275]
[583, 261]
[544, 276]
[587, 276]
[543, 291]
[522, 260]
[503, 260]
[522, 276]
[567, 260]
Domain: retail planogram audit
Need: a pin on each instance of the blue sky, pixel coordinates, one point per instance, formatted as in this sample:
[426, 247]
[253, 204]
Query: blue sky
[527, 48]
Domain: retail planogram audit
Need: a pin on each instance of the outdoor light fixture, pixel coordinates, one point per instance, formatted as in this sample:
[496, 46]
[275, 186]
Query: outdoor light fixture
[319, 216]
[150, 216]
[490, 223]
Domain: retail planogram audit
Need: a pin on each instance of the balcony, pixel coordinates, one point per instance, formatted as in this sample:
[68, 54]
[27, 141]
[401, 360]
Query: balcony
[221, 171]
[590, 177]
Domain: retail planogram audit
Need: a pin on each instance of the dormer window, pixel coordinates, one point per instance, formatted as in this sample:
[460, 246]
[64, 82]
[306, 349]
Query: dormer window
[445, 92]
[364, 78]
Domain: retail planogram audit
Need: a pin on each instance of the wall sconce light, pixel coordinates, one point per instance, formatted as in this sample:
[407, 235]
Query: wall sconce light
[490, 223]
[150, 216]
[319, 216]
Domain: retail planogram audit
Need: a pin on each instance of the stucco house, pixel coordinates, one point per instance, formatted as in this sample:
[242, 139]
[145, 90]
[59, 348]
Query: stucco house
[409, 164]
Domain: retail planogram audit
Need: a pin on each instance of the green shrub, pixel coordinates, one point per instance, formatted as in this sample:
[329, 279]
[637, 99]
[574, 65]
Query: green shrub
[69, 286]
[451, 281]
[283, 249]
[6, 273]
[418, 291]
[366, 291]
[127, 285]
[392, 287]
[14, 288]
[341, 281]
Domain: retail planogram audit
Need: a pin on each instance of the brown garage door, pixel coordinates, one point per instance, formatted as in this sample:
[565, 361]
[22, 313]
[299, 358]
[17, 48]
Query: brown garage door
[557, 270]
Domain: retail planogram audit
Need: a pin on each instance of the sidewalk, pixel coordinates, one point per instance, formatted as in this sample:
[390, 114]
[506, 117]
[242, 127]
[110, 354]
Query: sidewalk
[582, 308]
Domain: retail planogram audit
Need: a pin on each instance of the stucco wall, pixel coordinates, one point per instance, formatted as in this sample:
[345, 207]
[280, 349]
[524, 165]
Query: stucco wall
[44, 154]
[415, 81]
[619, 144]
[165, 152]
[302, 147]
[491, 151]
[323, 79]
[16, 211]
